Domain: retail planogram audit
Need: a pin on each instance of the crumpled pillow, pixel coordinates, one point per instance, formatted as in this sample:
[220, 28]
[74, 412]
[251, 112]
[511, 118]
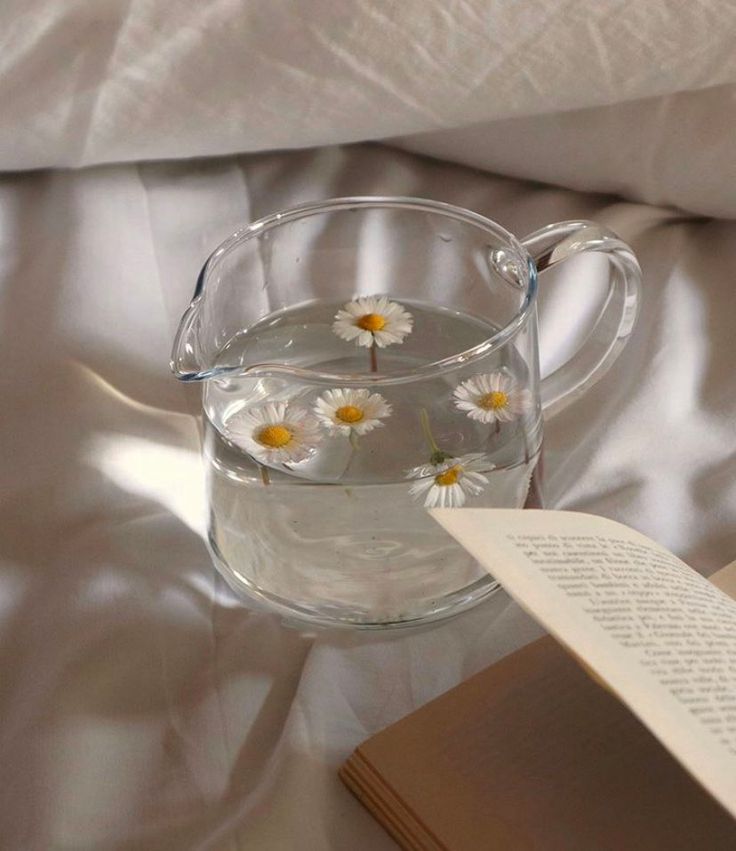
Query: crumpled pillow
[84, 83]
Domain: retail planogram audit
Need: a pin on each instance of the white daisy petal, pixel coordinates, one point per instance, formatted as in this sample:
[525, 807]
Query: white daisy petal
[495, 381]
[450, 483]
[481, 416]
[438, 496]
[456, 496]
[344, 410]
[422, 486]
[385, 322]
[505, 415]
[493, 397]
[434, 498]
[275, 433]
[431, 499]
[350, 332]
[357, 307]
[482, 385]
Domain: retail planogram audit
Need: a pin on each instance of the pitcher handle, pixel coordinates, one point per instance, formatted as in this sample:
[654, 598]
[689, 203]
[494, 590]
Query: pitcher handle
[550, 246]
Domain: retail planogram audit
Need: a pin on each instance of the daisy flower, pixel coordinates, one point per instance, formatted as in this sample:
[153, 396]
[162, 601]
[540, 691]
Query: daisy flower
[495, 397]
[351, 411]
[448, 485]
[373, 320]
[275, 433]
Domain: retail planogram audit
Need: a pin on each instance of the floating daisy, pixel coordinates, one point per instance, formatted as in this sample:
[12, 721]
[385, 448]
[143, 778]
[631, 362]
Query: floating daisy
[449, 484]
[351, 411]
[373, 320]
[275, 433]
[495, 397]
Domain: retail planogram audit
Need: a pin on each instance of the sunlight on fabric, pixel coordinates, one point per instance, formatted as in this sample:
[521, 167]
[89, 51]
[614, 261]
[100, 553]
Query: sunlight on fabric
[170, 475]
[101, 383]
[106, 587]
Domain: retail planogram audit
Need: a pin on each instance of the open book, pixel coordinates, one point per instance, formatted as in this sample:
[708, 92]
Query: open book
[656, 634]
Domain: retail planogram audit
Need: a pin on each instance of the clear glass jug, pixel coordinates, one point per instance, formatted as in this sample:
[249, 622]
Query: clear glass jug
[363, 359]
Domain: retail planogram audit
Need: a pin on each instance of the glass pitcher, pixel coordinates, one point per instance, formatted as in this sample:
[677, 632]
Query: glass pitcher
[363, 359]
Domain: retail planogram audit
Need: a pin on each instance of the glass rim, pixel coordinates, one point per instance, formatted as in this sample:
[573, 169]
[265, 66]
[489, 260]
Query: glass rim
[341, 204]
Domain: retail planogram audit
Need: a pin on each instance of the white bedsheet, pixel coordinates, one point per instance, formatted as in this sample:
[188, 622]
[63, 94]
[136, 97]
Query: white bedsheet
[615, 95]
[140, 706]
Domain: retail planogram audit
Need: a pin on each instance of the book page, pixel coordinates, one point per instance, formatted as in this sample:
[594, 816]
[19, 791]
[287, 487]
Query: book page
[659, 634]
[530, 754]
[725, 579]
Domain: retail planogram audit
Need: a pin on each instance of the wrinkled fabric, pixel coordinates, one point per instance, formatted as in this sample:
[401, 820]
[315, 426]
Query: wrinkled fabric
[678, 150]
[119, 80]
[141, 706]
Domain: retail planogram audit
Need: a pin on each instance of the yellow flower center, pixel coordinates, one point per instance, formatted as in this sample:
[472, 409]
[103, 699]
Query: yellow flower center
[275, 436]
[371, 322]
[349, 414]
[449, 477]
[493, 401]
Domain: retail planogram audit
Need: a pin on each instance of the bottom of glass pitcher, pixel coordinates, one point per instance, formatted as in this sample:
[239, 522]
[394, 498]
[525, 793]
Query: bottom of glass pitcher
[297, 614]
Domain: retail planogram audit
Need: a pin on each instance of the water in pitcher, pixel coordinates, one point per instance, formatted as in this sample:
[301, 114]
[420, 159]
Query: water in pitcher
[344, 535]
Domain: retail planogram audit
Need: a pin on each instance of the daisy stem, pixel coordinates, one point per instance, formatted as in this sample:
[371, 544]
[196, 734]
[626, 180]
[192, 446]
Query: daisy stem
[427, 431]
[498, 427]
[265, 478]
[353, 438]
[374, 358]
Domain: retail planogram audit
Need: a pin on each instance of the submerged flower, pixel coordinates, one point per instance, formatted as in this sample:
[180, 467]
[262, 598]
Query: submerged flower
[373, 320]
[448, 484]
[345, 411]
[275, 433]
[495, 397]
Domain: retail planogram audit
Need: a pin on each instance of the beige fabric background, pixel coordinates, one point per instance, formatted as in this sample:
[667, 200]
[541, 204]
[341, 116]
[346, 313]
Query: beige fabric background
[140, 706]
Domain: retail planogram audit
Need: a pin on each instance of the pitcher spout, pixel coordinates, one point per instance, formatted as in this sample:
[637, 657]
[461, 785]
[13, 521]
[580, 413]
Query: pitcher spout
[186, 361]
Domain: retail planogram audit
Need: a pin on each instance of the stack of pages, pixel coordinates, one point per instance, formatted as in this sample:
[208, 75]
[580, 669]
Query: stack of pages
[636, 751]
